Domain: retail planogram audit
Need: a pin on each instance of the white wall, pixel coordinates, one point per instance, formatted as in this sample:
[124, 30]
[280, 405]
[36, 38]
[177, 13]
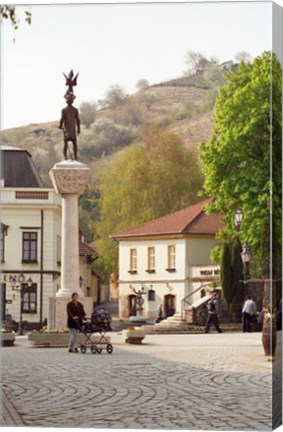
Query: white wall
[189, 252]
[22, 215]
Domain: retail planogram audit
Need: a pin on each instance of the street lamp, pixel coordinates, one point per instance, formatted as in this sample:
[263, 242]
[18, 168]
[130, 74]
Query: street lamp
[238, 219]
[246, 256]
[20, 289]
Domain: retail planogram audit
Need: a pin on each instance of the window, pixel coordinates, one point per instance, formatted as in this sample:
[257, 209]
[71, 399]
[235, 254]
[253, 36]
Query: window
[151, 295]
[29, 300]
[133, 261]
[58, 249]
[171, 258]
[4, 229]
[2, 245]
[30, 247]
[151, 260]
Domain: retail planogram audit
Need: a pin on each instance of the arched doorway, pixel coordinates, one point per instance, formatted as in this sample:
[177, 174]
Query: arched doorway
[169, 305]
[132, 304]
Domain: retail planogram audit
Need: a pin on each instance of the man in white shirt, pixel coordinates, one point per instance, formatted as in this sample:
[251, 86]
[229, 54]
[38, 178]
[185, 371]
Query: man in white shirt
[248, 313]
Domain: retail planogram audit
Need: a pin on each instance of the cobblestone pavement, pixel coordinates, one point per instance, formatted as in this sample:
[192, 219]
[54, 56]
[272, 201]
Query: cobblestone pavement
[208, 382]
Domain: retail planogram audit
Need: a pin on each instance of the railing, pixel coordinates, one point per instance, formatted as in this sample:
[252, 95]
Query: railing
[31, 195]
[186, 301]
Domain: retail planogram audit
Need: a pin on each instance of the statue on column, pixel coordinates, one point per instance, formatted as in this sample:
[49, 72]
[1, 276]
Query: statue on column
[70, 120]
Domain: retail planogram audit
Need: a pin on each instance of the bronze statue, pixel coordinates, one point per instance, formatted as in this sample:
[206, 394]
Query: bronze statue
[71, 81]
[70, 120]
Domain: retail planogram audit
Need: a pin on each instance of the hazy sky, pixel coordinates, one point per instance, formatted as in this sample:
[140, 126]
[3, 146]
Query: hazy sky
[115, 44]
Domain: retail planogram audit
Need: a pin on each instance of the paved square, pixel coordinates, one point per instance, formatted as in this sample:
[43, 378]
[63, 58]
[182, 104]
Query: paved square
[206, 381]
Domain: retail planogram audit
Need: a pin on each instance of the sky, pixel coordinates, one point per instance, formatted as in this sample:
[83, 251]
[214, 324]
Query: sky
[115, 44]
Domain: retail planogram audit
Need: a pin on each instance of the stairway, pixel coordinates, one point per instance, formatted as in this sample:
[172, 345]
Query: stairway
[172, 324]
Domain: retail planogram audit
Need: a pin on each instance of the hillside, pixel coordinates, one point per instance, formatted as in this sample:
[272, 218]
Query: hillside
[179, 105]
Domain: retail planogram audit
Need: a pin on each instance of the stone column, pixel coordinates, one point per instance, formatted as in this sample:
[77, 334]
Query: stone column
[69, 179]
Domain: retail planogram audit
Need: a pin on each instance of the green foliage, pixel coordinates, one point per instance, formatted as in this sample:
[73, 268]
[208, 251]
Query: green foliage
[9, 12]
[114, 96]
[237, 157]
[243, 56]
[149, 179]
[216, 254]
[104, 137]
[89, 211]
[231, 275]
[213, 75]
[148, 99]
[142, 84]
[87, 113]
[226, 276]
[237, 272]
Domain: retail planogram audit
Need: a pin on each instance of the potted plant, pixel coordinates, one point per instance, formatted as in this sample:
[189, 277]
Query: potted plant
[269, 331]
[133, 335]
[7, 336]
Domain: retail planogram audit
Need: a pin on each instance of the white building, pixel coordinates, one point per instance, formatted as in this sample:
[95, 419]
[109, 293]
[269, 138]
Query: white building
[170, 258]
[31, 243]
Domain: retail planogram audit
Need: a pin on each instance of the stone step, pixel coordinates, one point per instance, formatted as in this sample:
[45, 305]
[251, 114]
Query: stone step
[190, 329]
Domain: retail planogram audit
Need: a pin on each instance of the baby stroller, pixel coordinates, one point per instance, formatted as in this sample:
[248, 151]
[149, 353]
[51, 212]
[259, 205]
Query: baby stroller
[100, 322]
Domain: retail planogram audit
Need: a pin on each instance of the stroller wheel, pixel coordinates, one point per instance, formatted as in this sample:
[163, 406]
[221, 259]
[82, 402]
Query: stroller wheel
[99, 350]
[109, 348]
[83, 349]
[93, 349]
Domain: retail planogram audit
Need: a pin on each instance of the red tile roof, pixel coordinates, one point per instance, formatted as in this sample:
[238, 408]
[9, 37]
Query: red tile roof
[84, 249]
[191, 220]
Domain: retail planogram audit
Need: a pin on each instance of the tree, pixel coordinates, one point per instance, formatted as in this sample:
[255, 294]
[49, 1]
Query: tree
[87, 113]
[115, 95]
[226, 276]
[237, 157]
[196, 61]
[142, 84]
[237, 275]
[231, 271]
[103, 138]
[243, 56]
[214, 75]
[148, 99]
[9, 12]
[149, 179]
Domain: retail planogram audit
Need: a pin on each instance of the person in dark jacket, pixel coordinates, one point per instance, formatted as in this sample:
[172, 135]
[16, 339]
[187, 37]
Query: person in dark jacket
[75, 313]
[213, 313]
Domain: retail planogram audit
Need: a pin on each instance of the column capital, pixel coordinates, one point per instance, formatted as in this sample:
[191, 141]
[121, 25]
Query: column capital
[70, 177]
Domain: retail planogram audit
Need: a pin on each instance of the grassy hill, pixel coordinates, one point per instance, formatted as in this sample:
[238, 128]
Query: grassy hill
[181, 106]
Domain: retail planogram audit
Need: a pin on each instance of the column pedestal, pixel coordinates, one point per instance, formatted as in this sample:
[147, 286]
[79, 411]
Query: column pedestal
[69, 179]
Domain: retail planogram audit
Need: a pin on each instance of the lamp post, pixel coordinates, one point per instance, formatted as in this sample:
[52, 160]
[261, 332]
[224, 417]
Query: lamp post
[20, 289]
[246, 256]
[238, 219]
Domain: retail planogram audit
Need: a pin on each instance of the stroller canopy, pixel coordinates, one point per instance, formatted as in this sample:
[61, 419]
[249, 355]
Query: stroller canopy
[101, 318]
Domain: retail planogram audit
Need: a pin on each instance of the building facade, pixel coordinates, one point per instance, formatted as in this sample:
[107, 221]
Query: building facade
[168, 259]
[31, 244]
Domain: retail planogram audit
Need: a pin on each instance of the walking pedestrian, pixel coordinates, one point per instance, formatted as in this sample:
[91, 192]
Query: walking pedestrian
[213, 313]
[75, 313]
[249, 313]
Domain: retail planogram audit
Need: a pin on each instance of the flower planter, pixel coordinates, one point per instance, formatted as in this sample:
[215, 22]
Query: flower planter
[60, 339]
[8, 339]
[133, 336]
[269, 339]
